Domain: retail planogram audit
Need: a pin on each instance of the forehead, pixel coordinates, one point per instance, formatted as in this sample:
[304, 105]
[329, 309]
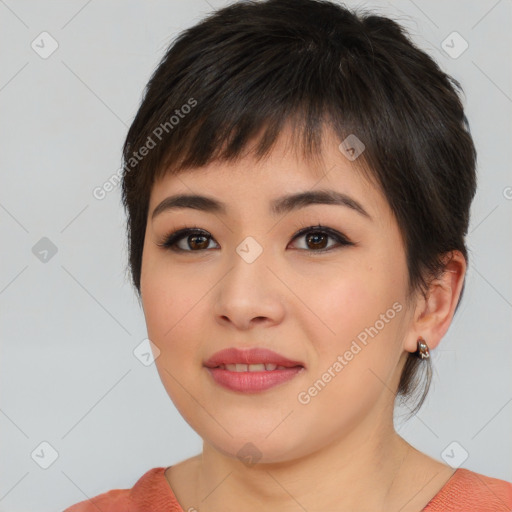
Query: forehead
[285, 170]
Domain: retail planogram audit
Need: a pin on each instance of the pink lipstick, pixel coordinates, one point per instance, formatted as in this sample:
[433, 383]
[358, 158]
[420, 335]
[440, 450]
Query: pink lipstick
[251, 370]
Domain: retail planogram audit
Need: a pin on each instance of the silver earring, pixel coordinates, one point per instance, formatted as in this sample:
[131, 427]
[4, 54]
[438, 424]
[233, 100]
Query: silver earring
[423, 351]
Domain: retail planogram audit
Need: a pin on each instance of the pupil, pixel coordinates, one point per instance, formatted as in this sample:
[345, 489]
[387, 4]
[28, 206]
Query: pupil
[202, 245]
[316, 236]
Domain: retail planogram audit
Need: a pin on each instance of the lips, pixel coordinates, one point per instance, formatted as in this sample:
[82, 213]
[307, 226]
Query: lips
[253, 356]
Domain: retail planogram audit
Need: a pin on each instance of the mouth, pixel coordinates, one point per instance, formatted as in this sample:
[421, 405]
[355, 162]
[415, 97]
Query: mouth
[254, 381]
[252, 360]
[251, 370]
[258, 367]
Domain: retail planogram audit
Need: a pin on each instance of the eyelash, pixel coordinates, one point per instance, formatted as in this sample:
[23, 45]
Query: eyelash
[170, 240]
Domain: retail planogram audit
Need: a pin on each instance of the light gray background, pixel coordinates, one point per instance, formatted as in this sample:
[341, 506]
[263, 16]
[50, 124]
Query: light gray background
[69, 326]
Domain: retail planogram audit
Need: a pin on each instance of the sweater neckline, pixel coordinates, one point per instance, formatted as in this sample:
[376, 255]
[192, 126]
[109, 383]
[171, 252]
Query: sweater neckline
[165, 487]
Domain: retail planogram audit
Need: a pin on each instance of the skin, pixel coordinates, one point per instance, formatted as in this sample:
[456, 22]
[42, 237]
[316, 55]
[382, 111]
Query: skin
[340, 451]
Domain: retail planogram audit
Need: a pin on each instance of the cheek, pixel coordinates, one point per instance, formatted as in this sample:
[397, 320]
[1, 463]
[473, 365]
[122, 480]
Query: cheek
[166, 293]
[362, 311]
[354, 300]
[357, 357]
[168, 311]
[171, 308]
[175, 300]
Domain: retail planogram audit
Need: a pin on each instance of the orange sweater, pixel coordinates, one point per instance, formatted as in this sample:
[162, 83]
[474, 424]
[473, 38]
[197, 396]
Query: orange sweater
[465, 491]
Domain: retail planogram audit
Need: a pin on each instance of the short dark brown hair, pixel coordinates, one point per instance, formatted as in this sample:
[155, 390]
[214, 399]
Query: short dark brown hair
[249, 68]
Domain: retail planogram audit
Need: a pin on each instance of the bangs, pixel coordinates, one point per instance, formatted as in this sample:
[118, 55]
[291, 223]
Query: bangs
[249, 138]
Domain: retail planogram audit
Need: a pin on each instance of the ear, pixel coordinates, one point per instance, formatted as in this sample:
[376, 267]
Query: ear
[433, 315]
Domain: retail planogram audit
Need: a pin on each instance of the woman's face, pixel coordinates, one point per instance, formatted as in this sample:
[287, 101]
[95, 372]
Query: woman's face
[337, 307]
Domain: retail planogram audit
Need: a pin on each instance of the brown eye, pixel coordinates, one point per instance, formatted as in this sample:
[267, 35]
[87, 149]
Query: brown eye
[187, 240]
[316, 239]
[198, 242]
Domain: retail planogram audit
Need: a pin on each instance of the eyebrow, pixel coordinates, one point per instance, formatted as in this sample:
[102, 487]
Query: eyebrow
[278, 206]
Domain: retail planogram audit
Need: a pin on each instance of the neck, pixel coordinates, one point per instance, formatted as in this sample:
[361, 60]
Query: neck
[354, 472]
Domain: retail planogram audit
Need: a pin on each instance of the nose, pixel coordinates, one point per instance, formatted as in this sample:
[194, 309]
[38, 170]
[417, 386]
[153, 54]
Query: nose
[249, 294]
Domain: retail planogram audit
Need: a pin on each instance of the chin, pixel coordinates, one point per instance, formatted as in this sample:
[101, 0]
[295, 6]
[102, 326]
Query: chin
[258, 447]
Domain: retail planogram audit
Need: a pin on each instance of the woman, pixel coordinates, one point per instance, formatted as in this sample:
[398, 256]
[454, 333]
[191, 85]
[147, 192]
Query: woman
[298, 181]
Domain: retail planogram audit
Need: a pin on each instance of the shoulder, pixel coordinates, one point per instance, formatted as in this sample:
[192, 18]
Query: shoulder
[468, 490]
[151, 491]
[111, 501]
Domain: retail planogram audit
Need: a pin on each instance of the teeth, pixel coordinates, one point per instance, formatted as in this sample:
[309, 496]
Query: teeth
[260, 367]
